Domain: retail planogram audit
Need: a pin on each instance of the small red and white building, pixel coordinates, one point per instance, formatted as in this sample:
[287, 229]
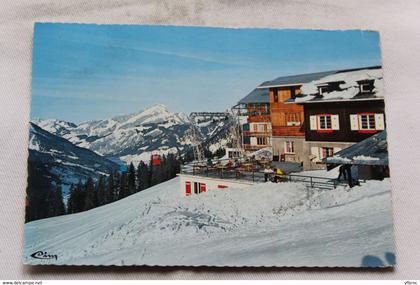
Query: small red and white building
[196, 184]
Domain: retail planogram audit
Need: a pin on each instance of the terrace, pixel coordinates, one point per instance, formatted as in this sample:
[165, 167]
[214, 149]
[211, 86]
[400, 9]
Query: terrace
[253, 171]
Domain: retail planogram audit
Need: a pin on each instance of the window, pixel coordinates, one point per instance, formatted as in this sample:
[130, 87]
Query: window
[187, 188]
[265, 108]
[276, 97]
[367, 122]
[324, 122]
[233, 154]
[322, 89]
[289, 147]
[265, 128]
[292, 119]
[293, 92]
[366, 86]
[327, 152]
[199, 187]
[260, 128]
[261, 140]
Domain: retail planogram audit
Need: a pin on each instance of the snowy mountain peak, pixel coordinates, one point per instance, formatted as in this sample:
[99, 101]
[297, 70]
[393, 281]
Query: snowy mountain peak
[55, 126]
[156, 108]
[134, 137]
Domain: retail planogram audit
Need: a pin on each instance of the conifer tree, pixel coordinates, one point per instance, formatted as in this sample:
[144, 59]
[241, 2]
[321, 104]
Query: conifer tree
[131, 179]
[101, 192]
[117, 185]
[38, 192]
[57, 204]
[155, 174]
[124, 191]
[77, 198]
[69, 201]
[142, 176]
[110, 191]
[90, 197]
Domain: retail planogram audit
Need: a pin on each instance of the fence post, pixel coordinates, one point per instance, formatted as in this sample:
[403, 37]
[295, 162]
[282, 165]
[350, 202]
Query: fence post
[253, 175]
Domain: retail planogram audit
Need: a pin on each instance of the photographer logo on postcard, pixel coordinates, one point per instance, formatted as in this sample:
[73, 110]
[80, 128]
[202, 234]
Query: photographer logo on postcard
[163, 145]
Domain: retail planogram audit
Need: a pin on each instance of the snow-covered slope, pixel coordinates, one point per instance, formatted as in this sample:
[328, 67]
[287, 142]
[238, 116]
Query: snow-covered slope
[134, 137]
[264, 225]
[65, 162]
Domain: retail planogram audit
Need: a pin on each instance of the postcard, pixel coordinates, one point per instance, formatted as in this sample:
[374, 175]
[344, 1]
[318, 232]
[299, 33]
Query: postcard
[199, 146]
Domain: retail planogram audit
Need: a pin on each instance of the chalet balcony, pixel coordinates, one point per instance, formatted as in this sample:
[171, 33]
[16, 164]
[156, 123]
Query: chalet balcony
[257, 133]
[288, 130]
[254, 113]
[254, 147]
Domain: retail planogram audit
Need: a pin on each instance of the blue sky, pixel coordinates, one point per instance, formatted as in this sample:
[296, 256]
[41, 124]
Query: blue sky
[87, 72]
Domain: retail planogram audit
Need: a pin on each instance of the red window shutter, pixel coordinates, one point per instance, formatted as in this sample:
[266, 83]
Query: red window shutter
[188, 188]
[202, 187]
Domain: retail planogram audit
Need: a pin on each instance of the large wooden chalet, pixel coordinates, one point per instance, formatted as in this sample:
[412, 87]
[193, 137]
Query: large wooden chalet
[340, 109]
[308, 117]
[287, 120]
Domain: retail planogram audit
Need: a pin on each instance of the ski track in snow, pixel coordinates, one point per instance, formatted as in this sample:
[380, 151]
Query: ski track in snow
[264, 225]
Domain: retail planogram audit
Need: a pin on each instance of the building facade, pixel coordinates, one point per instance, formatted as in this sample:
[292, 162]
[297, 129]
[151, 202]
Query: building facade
[339, 117]
[287, 118]
[308, 117]
[256, 131]
[196, 184]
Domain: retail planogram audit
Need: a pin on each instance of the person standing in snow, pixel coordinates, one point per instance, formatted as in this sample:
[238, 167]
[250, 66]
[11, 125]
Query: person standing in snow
[350, 178]
[267, 172]
[342, 172]
[279, 175]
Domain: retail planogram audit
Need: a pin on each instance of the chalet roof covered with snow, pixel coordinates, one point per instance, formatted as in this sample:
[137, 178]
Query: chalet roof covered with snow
[295, 79]
[343, 85]
[256, 96]
[371, 151]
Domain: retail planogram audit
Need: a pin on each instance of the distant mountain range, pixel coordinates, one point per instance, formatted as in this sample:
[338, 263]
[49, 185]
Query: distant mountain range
[134, 137]
[74, 152]
[66, 163]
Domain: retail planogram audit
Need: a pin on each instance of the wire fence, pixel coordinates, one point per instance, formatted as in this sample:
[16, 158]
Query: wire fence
[255, 172]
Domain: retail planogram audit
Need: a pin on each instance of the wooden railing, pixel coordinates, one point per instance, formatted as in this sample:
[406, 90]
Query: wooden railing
[254, 147]
[257, 133]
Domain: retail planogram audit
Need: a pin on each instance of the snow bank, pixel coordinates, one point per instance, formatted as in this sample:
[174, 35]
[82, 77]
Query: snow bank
[266, 152]
[360, 159]
[267, 224]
